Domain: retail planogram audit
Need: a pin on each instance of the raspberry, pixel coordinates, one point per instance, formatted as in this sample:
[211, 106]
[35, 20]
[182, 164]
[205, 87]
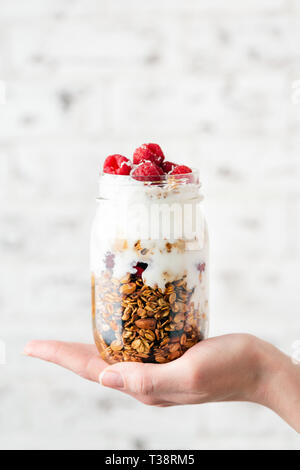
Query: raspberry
[168, 166]
[147, 172]
[181, 170]
[148, 152]
[140, 268]
[117, 165]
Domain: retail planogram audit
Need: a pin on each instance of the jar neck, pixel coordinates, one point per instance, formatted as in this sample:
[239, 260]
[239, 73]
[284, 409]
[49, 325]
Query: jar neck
[167, 189]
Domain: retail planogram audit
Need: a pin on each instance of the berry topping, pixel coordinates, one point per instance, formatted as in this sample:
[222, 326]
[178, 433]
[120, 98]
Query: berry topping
[168, 167]
[148, 165]
[117, 165]
[148, 152]
[147, 172]
[181, 170]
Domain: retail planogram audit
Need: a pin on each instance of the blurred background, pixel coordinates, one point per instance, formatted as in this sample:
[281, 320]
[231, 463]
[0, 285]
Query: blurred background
[217, 85]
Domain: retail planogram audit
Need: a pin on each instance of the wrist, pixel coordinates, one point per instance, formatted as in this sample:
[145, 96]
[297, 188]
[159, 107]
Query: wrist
[269, 367]
[278, 384]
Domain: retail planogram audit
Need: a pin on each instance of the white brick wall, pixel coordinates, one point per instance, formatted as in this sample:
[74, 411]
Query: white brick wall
[212, 82]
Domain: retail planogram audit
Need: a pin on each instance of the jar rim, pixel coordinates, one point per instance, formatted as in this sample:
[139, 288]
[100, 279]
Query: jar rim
[166, 179]
[167, 188]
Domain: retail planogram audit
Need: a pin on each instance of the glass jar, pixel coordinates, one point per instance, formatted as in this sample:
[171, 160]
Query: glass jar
[149, 263]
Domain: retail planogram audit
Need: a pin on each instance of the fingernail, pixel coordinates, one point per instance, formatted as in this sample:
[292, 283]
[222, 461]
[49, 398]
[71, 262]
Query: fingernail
[111, 379]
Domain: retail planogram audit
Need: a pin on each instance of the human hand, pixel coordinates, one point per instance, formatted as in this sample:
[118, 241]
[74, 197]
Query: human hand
[226, 368]
[218, 369]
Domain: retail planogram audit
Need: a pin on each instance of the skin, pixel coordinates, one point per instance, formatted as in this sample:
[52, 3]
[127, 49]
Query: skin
[226, 368]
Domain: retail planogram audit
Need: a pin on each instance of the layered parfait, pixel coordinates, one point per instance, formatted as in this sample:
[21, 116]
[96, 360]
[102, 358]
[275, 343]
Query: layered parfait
[149, 259]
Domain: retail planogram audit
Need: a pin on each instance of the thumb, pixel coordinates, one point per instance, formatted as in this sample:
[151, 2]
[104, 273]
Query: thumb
[153, 384]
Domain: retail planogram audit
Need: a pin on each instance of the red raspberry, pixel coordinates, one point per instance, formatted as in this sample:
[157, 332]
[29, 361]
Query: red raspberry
[117, 165]
[140, 268]
[168, 166]
[181, 170]
[148, 152]
[147, 171]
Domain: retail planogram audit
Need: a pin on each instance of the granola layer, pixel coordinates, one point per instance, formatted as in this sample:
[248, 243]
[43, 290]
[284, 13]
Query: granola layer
[136, 322]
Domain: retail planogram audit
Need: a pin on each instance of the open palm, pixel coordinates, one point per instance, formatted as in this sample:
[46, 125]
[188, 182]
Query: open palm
[217, 369]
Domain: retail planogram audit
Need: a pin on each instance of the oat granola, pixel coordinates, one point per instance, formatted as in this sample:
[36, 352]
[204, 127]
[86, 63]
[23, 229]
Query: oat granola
[135, 322]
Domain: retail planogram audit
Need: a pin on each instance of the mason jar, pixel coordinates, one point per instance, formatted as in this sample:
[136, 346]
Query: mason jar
[149, 266]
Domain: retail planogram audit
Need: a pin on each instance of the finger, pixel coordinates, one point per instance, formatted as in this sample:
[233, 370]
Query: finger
[82, 359]
[153, 384]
